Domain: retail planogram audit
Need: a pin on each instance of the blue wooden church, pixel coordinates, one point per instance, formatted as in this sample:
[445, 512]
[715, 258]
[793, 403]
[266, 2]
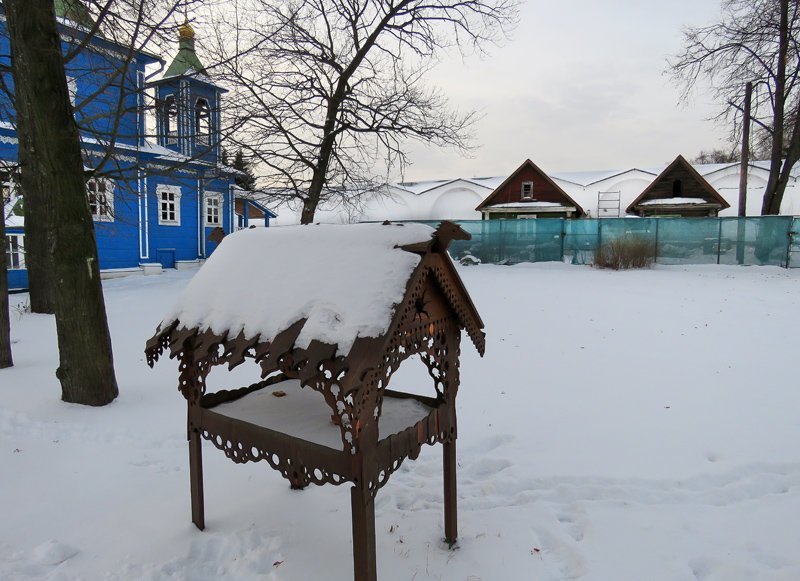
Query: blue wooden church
[156, 200]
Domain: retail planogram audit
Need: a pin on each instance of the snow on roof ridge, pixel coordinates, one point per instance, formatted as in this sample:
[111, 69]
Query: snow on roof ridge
[343, 280]
[591, 176]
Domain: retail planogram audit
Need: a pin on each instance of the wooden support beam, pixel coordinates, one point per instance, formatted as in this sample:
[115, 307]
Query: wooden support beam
[364, 562]
[450, 499]
[196, 476]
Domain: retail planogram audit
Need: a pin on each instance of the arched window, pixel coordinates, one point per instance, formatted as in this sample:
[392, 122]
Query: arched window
[170, 113]
[202, 122]
[101, 199]
[677, 189]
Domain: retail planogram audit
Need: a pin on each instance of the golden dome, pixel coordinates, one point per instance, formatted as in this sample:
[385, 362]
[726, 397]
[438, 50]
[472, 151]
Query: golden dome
[185, 30]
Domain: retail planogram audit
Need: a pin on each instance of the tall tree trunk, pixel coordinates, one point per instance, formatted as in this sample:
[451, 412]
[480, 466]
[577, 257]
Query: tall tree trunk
[55, 166]
[5, 324]
[309, 209]
[38, 250]
[792, 150]
[773, 190]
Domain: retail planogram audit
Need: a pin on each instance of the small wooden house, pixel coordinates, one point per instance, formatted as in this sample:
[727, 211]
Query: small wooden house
[529, 193]
[351, 305]
[681, 191]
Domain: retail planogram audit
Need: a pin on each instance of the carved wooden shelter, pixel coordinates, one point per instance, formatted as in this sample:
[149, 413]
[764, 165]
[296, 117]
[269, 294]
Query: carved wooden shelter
[323, 412]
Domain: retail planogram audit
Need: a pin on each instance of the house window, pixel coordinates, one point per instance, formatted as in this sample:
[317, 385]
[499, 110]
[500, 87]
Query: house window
[101, 199]
[527, 191]
[7, 185]
[169, 205]
[213, 205]
[202, 122]
[170, 119]
[677, 189]
[15, 251]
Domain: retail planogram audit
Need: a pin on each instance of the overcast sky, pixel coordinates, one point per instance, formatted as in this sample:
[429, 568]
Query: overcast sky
[579, 86]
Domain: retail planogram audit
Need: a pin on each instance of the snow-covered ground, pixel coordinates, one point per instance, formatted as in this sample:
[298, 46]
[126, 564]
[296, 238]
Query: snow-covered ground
[623, 426]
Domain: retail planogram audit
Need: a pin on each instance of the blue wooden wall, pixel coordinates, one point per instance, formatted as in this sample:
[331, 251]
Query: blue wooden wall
[135, 235]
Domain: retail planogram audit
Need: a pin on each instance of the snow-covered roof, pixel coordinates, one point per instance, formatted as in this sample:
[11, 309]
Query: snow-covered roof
[528, 205]
[422, 187]
[673, 201]
[343, 280]
[14, 221]
[584, 178]
[490, 182]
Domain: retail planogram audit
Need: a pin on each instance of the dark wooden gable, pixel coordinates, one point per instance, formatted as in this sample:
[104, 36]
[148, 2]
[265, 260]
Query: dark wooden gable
[544, 189]
[680, 180]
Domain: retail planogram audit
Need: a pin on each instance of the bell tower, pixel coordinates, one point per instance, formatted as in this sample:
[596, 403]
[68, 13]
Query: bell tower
[188, 104]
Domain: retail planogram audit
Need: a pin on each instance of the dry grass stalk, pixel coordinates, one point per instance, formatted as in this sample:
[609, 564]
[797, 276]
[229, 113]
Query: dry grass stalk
[625, 252]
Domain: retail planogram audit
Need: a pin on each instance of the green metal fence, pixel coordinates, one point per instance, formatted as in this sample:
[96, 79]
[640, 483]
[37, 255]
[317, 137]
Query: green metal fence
[768, 240]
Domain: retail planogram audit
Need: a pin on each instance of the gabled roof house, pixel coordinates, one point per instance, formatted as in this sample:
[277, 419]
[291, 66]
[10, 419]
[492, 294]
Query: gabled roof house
[679, 190]
[529, 193]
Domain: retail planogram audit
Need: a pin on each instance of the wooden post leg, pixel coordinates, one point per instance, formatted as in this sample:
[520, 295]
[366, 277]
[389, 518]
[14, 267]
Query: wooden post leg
[364, 563]
[450, 501]
[196, 476]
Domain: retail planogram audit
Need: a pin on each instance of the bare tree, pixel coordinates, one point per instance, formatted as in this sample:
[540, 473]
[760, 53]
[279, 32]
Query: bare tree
[323, 91]
[6, 359]
[762, 137]
[716, 156]
[757, 41]
[51, 161]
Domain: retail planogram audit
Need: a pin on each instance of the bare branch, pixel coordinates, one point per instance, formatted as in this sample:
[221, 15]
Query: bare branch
[324, 91]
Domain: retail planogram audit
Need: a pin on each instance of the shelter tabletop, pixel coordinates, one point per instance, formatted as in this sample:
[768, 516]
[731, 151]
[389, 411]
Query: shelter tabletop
[302, 413]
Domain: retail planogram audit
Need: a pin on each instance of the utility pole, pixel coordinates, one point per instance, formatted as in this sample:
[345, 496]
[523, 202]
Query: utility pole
[748, 97]
[741, 231]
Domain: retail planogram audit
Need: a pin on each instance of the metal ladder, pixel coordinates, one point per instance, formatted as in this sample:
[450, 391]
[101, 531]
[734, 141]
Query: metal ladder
[608, 204]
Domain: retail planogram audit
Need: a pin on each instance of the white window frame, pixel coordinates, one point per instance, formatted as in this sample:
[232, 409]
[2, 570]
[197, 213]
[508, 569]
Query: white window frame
[15, 249]
[216, 197]
[530, 191]
[103, 210]
[163, 194]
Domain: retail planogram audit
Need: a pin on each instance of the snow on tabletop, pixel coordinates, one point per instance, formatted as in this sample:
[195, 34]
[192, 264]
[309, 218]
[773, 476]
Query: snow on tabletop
[345, 280]
[303, 413]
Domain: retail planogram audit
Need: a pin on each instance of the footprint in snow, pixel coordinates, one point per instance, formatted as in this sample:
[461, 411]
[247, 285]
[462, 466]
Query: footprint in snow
[53, 553]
